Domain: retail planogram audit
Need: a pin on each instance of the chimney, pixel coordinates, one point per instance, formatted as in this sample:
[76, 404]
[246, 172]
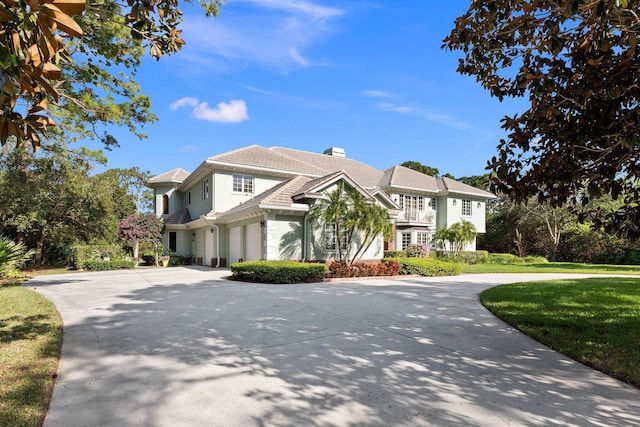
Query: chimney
[335, 151]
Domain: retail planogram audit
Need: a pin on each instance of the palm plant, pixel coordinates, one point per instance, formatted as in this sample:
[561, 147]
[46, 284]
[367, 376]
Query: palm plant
[12, 256]
[457, 235]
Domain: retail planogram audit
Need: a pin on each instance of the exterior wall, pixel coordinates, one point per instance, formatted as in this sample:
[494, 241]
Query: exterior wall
[175, 199]
[289, 234]
[316, 248]
[199, 205]
[454, 212]
[224, 196]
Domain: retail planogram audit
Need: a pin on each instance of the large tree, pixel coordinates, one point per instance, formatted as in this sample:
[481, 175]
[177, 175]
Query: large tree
[578, 63]
[40, 39]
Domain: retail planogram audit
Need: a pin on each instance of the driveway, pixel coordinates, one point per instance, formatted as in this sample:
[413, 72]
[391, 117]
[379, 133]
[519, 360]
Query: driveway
[185, 347]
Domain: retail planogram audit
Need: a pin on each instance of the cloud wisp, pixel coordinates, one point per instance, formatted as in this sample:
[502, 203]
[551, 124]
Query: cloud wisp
[234, 111]
[372, 93]
[426, 113]
[268, 33]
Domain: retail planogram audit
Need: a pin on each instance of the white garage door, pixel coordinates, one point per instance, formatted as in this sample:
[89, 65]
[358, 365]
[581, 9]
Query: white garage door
[235, 244]
[254, 242]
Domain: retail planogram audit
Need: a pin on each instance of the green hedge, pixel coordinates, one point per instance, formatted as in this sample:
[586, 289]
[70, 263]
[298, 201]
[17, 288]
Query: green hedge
[469, 257]
[428, 267]
[394, 254]
[97, 265]
[510, 259]
[278, 271]
[83, 254]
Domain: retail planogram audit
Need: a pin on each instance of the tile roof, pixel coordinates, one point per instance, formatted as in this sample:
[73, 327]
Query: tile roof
[180, 217]
[173, 176]
[453, 186]
[403, 177]
[264, 158]
[280, 195]
[367, 176]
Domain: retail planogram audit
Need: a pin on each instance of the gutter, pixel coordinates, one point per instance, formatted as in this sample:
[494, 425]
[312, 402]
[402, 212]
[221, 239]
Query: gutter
[212, 225]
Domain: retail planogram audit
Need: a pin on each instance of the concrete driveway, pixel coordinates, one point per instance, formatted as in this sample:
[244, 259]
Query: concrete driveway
[185, 347]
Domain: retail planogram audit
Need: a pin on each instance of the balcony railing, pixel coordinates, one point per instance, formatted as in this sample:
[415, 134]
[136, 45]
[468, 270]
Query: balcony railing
[418, 216]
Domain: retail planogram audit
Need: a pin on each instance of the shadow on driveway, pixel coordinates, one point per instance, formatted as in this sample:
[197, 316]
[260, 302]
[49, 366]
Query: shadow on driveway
[184, 347]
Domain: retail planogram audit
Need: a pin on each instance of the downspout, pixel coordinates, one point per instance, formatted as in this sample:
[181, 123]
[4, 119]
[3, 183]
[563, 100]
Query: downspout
[304, 237]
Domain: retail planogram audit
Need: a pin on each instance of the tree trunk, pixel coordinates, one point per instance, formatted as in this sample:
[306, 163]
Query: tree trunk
[39, 246]
[136, 246]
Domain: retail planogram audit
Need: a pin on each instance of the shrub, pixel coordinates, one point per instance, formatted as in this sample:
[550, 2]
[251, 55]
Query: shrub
[180, 260]
[98, 265]
[511, 259]
[12, 256]
[418, 251]
[278, 271]
[385, 267]
[99, 258]
[428, 267]
[469, 257]
[395, 254]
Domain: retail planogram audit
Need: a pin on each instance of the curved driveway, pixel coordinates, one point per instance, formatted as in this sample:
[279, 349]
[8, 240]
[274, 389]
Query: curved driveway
[184, 347]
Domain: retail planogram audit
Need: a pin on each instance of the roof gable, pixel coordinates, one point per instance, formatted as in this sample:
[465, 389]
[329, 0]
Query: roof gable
[175, 176]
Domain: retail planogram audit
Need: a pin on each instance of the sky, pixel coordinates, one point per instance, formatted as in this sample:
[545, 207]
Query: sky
[368, 76]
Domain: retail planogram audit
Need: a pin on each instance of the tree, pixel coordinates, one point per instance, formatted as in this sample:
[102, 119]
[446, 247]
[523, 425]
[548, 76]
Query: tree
[419, 167]
[37, 65]
[577, 61]
[456, 236]
[141, 228]
[358, 221]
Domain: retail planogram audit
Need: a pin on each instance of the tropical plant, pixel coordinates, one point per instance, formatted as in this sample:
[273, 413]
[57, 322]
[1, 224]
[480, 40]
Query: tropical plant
[141, 228]
[454, 238]
[359, 221]
[12, 256]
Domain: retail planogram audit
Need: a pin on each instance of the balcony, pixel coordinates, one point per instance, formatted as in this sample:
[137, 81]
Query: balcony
[416, 216]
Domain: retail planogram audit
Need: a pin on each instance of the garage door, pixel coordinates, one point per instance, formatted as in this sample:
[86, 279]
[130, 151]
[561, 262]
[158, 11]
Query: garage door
[254, 242]
[235, 244]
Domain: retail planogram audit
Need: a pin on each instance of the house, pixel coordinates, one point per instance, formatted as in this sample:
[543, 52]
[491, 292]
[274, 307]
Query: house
[253, 203]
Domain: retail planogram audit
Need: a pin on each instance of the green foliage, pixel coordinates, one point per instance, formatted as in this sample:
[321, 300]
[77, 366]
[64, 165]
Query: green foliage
[594, 321]
[578, 139]
[468, 257]
[428, 267]
[418, 251]
[83, 255]
[455, 237]
[113, 264]
[395, 254]
[510, 259]
[386, 267]
[278, 271]
[180, 260]
[359, 221]
[12, 256]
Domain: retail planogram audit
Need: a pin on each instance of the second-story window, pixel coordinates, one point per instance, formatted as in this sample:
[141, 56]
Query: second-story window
[205, 189]
[242, 184]
[165, 204]
[433, 204]
[466, 207]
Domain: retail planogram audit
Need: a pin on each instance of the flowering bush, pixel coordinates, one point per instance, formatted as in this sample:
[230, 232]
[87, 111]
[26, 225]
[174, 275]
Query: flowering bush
[418, 251]
[362, 269]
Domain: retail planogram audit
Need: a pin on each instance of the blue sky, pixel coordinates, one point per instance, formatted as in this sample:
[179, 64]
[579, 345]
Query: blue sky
[368, 76]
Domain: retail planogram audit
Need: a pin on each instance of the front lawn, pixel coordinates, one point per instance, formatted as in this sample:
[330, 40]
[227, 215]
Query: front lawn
[594, 321]
[30, 341]
[552, 267]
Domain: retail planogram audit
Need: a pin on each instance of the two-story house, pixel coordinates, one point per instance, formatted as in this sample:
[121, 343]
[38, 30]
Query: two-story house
[253, 203]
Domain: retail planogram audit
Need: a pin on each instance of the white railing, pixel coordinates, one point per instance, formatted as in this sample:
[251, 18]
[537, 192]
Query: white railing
[416, 215]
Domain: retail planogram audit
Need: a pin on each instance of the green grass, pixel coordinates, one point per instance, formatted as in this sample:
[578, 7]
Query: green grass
[553, 267]
[30, 341]
[594, 321]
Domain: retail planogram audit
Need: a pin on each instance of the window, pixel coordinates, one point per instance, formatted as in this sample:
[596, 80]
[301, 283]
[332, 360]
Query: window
[172, 241]
[331, 237]
[205, 189]
[165, 204]
[423, 238]
[433, 204]
[189, 198]
[243, 184]
[406, 240]
[466, 207]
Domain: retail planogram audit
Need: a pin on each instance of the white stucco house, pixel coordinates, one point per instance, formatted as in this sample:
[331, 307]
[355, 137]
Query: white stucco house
[253, 203]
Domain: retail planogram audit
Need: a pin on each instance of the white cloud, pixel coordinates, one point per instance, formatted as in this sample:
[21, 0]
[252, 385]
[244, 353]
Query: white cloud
[189, 148]
[428, 114]
[270, 33]
[234, 111]
[376, 93]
